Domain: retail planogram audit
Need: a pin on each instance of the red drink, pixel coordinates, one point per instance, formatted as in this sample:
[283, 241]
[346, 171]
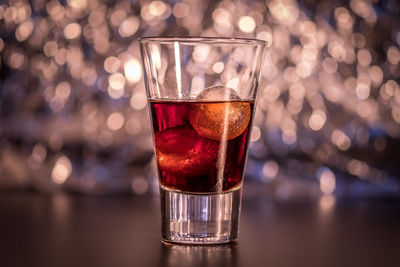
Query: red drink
[201, 146]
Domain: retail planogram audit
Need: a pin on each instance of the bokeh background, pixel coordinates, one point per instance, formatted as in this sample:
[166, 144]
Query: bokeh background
[74, 113]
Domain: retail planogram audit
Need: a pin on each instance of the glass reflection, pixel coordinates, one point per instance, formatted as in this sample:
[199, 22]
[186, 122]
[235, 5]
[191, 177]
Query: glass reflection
[188, 255]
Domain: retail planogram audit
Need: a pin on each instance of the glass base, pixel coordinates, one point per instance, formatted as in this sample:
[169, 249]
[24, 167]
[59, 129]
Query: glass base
[200, 218]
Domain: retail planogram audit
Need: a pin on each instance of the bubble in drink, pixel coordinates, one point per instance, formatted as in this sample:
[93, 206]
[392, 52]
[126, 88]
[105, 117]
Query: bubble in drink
[220, 120]
[180, 150]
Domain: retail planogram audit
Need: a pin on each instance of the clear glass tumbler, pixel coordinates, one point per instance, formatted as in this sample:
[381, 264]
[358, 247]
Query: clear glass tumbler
[201, 94]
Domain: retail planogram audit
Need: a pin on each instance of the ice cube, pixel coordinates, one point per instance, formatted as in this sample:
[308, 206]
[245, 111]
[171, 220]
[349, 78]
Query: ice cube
[222, 120]
[182, 151]
[218, 93]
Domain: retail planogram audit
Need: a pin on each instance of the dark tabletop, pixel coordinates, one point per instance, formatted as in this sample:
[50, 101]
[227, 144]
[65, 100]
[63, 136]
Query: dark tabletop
[74, 230]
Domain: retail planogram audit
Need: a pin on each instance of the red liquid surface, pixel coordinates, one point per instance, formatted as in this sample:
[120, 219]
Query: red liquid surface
[201, 147]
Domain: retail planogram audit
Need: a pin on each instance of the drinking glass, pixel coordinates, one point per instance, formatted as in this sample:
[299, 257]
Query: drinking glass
[201, 94]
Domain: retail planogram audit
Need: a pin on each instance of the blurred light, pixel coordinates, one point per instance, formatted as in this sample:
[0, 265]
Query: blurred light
[376, 74]
[317, 120]
[129, 27]
[362, 91]
[364, 57]
[10, 14]
[117, 17]
[289, 136]
[133, 126]
[335, 49]
[272, 92]
[266, 36]
[393, 55]
[222, 17]
[23, 12]
[294, 106]
[145, 13]
[55, 10]
[344, 18]
[72, 31]
[396, 114]
[1, 44]
[364, 10]
[117, 81]
[327, 202]
[2, 12]
[358, 40]
[309, 53]
[304, 69]
[295, 54]
[133, 70]
[197, 85]
[16, 60]
[391, 87]
[62, 170]
[255, 134]
[39, 153]
[115, 121]
[180, 10]
[357, 168]
[63, 90]
[50, 49]
[308, 27]
[341, 140]
[105, 138]
[367, 109]
[140, 185]
[96, 18]
[115, 93]
[218, 67]
[327, 180]
[112, 64]
[350, 83]
[233, 83]
[270, 170]
[24, 30]
[157, 8]
[201, 52]
[329, 65]
[138, 101]
[247, 24]
[89, 76]
[349, 56]
[61, 56]
[285, 11]
[290, 75]
[77, 4]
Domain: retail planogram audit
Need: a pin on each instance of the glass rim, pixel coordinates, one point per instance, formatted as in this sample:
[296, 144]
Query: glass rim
[202, 39]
